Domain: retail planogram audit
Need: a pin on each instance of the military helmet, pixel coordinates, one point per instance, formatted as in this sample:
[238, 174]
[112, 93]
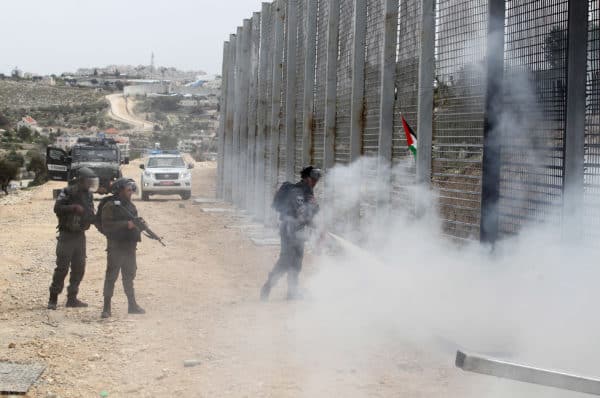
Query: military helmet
[84, 172]
[121, 183]
[86, 178]
[312, 172]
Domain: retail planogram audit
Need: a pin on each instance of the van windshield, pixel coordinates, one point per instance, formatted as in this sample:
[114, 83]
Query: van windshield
[175, 162]
[82, 154]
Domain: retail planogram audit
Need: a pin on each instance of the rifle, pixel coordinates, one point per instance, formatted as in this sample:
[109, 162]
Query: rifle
[143, 226]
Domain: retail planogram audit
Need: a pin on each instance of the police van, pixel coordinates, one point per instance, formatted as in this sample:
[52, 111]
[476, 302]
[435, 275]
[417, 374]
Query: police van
[166, 173]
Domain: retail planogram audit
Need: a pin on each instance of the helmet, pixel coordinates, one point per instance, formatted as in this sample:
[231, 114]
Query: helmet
[311, 172]
[121, 183]
[86, 177]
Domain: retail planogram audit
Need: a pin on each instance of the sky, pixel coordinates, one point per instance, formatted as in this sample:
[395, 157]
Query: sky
[46, 37]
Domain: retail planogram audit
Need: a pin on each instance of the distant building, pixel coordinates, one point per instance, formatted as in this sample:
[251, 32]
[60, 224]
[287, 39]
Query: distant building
[188, 102]
[28, 122]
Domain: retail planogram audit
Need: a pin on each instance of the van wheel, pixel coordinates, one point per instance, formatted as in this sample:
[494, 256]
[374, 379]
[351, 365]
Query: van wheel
[186, 195]
[145, 196]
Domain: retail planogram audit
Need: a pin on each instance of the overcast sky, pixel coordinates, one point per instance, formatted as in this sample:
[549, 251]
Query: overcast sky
[54, 36]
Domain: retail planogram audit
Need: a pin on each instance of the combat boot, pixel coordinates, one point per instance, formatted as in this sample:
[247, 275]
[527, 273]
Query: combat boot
[265, 291]
[106, 310]
[52, 301]
[73, 302]
[133, 307]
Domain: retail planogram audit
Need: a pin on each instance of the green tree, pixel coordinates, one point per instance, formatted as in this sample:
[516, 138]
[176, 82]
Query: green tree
[8, 172]
[24, 134]
[37, 165]
[16, 158]
[4, 122]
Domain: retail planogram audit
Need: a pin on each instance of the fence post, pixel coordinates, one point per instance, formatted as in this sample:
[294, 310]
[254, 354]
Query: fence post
[357, 106]
[263, 104]
[490, 179]
[252, 113]
[573, 184]
[386, 116]
[222, 117]
[425, 105]
[279, 16]
[290, 92]
[229, 120]
[309, 81]
[331, 84]
[242, 181]
[235, 159]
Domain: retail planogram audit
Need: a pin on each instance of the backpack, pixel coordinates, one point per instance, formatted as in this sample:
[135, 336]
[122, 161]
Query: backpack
[103, 201]
[281, 196]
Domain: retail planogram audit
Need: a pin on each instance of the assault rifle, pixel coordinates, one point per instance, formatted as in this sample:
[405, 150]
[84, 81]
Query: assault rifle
[143, 226]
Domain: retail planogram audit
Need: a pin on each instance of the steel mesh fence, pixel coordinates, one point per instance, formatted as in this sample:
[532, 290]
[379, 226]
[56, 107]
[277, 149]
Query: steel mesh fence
[267, 82]
[344, 82]
[458, 114]
[406, 102]
[532, 124]
[302, 9]
[281, 173]
[372, 99]
[591, 197]
[318, 141]
[531, 178]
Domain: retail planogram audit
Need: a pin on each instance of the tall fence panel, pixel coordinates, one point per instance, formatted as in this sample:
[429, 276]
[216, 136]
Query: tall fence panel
[406, 102]
[458, 114]
[531, 181]
[591, 194]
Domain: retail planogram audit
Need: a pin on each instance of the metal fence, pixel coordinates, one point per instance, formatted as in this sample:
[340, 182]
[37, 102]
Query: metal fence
[503, 95]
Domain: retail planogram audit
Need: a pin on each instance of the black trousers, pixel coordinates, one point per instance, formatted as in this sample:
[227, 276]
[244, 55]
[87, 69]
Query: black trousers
[120, 258]
[290, 258]
[70, 253]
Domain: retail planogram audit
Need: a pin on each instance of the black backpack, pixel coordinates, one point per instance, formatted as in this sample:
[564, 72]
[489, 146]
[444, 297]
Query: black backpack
[103, 201]
[281, 196]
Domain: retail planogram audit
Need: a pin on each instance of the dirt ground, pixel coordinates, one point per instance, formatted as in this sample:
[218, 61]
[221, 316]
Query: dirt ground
[201, 297]
[121, 109]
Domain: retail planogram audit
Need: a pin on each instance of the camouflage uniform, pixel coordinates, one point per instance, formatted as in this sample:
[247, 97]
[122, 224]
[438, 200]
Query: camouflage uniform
[298, 213]
[71, 246]
[121, 247]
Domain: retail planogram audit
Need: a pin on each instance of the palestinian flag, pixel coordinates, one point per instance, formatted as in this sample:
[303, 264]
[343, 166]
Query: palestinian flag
[411, 137]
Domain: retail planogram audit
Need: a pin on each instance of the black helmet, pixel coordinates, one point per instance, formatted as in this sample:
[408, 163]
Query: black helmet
[311, 172]
[86, 178]
[121, 183]
[85, 172]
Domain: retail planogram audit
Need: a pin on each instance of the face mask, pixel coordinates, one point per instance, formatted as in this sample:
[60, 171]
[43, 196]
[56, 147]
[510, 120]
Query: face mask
[92, 184]
[133, 186]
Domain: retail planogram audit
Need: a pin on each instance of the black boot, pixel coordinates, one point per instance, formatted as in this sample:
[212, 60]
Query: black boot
[265, 291]
[73, 302]
[106, 310]
[133, 307]
[52, 301]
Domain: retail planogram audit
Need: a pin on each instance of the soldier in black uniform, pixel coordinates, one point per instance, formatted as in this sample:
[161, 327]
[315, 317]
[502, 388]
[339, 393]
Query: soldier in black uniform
[297, 207]
[122, 236]
[75, 211]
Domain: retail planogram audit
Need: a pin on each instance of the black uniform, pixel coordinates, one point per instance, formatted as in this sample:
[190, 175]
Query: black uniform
[71, 247]
[296, 215]
[121, 246]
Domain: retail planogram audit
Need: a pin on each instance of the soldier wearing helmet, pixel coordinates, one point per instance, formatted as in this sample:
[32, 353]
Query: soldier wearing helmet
[297, 207]
[122, 239]
[74, 209]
